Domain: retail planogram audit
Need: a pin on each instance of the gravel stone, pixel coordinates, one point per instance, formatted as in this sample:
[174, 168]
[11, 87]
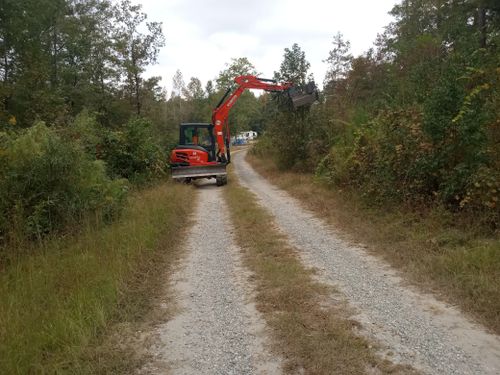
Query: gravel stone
[414, 328]
[218, 330]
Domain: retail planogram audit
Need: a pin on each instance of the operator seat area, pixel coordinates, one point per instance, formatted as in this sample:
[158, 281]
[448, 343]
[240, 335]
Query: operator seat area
[198, 136]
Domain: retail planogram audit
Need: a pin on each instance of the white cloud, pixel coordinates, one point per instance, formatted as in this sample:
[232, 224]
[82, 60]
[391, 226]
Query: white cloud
[203, 35]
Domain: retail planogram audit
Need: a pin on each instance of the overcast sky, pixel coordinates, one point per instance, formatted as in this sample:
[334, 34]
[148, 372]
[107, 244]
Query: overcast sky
[203, 35]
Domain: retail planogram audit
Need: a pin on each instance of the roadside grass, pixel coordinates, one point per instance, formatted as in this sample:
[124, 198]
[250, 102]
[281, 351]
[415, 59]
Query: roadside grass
[58, 305]
[448, 254]
[312, 335]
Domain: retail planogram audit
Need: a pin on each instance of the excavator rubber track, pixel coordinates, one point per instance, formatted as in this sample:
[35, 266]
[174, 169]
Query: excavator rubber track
[206, 171]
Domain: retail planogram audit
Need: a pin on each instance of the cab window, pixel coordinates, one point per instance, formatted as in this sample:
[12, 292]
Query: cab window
[197, 136]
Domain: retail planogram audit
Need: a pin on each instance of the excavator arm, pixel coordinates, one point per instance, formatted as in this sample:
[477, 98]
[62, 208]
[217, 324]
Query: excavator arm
[221, 113]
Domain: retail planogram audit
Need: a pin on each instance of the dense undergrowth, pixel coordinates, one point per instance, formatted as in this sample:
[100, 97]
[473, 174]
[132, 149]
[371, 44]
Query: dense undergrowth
[79, 125]
[52, 179]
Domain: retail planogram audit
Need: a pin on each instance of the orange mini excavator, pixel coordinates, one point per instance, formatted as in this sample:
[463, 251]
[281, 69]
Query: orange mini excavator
[203, 150]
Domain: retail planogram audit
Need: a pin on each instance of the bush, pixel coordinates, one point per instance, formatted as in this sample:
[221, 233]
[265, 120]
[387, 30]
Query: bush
[133, 153]
[395, 159]
[388, 158]
[48, 182]
[290, 136]
[335, 167]
[85, 130]
[263, 148]
[482, 193]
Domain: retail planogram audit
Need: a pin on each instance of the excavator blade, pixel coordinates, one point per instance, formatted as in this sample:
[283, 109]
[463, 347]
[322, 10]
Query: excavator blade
[307, 97]
[205, 171]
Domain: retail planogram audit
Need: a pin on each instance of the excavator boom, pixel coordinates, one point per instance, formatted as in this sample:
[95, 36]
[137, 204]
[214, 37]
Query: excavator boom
[220, 113]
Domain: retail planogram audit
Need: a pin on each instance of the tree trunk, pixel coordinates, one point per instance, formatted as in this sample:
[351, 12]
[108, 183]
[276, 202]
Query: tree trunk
[54, 56]
[137, 92]
[6, 67]
[482, 26]
[136, 81]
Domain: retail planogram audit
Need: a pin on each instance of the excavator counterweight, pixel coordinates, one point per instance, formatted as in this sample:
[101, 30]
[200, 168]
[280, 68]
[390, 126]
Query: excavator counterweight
[207, 171]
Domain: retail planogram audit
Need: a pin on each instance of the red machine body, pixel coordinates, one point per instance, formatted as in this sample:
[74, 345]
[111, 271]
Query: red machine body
[191, 157]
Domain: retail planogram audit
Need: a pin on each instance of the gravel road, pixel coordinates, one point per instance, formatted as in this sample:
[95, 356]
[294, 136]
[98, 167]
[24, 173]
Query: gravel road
[217, 329]
[412, 327]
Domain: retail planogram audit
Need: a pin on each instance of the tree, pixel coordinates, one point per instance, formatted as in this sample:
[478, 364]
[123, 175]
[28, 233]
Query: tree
[294, 66]
[60, 56]
[237, 67]
[194, 89]
[135, 48]
[196, 98]
[339, 60]
[209, 88]
[178, 84]
[153, 102]
[180, 100]
[288, 129]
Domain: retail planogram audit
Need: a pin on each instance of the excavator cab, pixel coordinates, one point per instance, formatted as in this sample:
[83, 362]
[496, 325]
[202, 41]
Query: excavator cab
[198, 137]
[195, 156]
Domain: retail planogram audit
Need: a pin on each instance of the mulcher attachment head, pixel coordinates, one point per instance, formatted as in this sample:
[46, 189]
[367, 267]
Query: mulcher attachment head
[305, 97]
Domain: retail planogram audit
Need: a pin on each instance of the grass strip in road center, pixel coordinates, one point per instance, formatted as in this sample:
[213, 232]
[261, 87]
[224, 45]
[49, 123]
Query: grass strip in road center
[311, 335]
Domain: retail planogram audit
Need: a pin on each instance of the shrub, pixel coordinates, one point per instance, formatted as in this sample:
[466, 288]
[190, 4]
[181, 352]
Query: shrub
[48, 182]
[264, 147]
[290, 138]
[335, 167]
[395, 159]
[85, 130]
[133, 153]
[483, 193]
[388, 158]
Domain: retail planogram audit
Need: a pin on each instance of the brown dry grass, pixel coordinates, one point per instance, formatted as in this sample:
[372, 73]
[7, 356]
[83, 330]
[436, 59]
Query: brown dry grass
[435, 249]
[312, 337]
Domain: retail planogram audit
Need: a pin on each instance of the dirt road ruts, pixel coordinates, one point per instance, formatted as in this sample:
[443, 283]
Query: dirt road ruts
[216, 329]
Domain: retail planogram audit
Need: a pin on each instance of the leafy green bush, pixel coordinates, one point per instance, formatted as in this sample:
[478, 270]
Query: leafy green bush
[335, 167]
[48, 182]
[86, 130]
[133, 153]
[395, 159]
[388, 158]
[290, 137]
[263, 147]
